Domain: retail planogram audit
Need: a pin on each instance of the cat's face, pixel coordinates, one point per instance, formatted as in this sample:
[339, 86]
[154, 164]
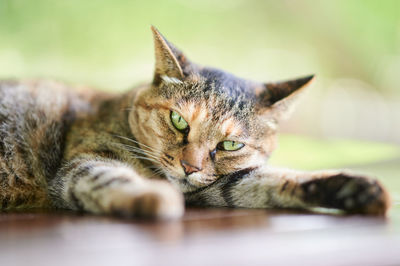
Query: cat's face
[197, 124]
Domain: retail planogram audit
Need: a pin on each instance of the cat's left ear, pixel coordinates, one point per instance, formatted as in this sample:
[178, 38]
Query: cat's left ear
[277, 99]
[170, 62]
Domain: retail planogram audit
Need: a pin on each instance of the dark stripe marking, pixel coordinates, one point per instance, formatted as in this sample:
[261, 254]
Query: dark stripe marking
[107, 153]
[232, 180]
[5, 201]
[81, 171]
[284, 186]
[121, 180]
[169, 156]
[166, 161]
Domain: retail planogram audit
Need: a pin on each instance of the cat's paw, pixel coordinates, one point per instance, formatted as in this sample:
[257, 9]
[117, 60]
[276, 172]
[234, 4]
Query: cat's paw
[155, 200]
[353, 194]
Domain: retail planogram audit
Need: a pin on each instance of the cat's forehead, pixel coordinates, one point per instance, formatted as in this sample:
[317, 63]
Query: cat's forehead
[227, 85]
[207, 123]
[219, 93]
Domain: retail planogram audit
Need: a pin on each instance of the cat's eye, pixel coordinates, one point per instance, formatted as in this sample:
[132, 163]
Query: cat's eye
[178, 122]
[229, 145]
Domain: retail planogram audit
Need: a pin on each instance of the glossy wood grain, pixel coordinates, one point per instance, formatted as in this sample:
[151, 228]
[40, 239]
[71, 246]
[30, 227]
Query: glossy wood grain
[202, 237]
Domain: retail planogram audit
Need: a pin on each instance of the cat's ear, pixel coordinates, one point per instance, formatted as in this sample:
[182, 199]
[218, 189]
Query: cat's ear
[277, 99]
[170, 62]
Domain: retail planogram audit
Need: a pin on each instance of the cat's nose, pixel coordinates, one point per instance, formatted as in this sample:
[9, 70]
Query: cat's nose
[188, 168]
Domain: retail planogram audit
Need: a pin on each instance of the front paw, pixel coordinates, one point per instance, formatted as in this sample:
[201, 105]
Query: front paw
[155, 200]
[353, 194]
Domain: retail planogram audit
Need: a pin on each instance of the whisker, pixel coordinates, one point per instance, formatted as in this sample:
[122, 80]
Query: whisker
[137, 142]
[139, 149]
[157, 171]
[155, 159]
[145, 158]
[147, 155]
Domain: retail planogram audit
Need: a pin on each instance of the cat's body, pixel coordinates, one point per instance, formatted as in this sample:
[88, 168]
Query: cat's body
[205, 131]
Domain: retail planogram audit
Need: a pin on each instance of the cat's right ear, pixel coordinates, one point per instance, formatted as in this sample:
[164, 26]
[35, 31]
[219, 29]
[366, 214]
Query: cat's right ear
[170, 62]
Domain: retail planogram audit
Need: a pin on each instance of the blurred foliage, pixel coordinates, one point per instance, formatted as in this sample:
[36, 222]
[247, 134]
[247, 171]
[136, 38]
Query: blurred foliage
[313, 154]
[108, 43]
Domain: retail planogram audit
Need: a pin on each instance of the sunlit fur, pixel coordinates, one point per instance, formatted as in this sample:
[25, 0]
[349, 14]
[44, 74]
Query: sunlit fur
[80, 149]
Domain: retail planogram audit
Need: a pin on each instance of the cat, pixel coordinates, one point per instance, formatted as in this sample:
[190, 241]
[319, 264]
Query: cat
[195, 135]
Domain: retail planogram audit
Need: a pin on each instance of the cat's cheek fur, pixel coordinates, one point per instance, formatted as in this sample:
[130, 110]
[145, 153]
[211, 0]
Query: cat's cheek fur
[146, 127]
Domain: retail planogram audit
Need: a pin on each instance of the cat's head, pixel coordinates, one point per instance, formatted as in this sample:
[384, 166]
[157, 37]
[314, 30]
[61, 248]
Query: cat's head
[198, 123]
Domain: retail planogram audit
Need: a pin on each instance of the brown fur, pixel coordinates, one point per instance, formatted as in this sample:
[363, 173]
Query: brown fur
[76, 148]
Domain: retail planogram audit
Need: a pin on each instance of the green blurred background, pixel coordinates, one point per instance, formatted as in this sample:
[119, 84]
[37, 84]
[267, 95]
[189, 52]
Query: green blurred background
[350, 115]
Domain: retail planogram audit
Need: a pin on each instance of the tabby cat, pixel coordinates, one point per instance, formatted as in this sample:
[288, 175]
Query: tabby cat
[195, 135]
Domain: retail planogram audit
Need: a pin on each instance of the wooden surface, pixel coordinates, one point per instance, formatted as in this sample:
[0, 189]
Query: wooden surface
[202, 237]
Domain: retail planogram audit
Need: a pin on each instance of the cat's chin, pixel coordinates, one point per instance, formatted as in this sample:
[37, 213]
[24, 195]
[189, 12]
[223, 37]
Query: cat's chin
[182, 184]
[199, 180]
[187, 183]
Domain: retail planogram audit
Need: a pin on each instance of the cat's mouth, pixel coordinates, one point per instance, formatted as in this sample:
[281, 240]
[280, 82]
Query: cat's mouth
[182, 184]
[187, 183]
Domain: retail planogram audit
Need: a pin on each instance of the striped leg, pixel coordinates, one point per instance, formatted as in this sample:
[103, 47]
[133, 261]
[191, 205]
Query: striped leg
[109, 187]
[269, 188]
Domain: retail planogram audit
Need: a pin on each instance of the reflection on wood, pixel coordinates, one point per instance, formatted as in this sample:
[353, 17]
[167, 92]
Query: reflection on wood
[202, 237]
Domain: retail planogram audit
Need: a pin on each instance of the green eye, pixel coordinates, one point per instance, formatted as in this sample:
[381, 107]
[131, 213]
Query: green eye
[229, 145]
[178, 121]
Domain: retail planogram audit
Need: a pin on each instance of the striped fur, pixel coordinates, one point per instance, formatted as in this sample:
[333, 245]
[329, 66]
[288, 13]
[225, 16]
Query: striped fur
[80, 149]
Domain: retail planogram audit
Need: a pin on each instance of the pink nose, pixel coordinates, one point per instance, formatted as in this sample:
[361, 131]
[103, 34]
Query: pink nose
[188, 168]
